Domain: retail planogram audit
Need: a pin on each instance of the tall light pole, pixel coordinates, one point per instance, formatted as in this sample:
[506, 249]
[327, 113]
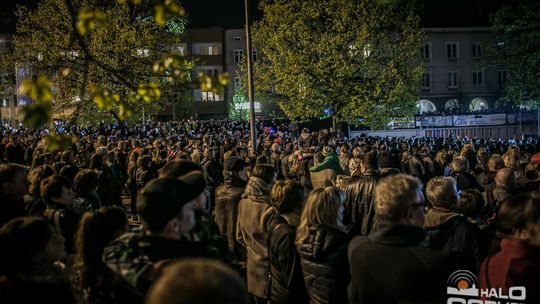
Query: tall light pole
[252, 130]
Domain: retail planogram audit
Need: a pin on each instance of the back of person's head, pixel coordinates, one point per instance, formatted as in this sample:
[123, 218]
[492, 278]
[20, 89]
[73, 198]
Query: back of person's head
[144, 162]
[287, 196]
[370, 161]
[323, 207]
[96, 161]
[495, 163]
[357, 152]
[9, 173]
[318, 158]
[69, 172]
[385, 159]
[36, 176]
[23, 241]
[471, 203]
[512, 218]
[395, 194]
[96, 230]
[86, 181]
[177, 168]
[460, 163]
[52, 187]
[441, 191]
[506, 177]
[66, 156]
[198, 281]
[265, 172]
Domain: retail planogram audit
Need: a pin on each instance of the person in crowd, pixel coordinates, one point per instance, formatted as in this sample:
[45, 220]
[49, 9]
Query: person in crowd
[460, 172]
[131, 182]
[165, 206]
[330, 161]
[487, 178]
[359, 209]
[228, 197]
[471, 205]
[144, 172]
[505, 185]
[13, 188]
[252, 228]
[344, 158]
[198, 281]
[322, 244]
[323, 177]
[448, 230]
[518, 261]
[57, 193]
[387, 265]
[86, 184]
[93, 281]
[286, 278]
[413, 163]
[30, 263]
[33, 202]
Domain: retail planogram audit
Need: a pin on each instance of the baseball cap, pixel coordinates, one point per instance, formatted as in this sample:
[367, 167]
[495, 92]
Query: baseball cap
[163, 198]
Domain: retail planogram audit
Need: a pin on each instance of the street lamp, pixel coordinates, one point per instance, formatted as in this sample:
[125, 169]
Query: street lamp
[252, 130]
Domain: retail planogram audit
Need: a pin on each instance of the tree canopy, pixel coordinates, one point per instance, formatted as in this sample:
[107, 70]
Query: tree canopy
[360, 59]
[517, 31]
[102, 57]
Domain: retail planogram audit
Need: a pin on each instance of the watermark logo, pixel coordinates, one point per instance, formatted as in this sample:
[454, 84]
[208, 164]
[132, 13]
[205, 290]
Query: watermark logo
[463, 288]
[463, 283]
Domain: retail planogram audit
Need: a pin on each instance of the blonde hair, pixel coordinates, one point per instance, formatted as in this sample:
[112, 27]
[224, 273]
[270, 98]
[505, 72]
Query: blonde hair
[466, 147]
[321, 208]
[394, 194]
[440, 191]
[511, 158]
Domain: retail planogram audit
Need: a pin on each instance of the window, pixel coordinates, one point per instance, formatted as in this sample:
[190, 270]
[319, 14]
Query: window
[476, 50]
[238, 55]
[501, 78]
[477, 78]
[237, 84]
[237, 38]
[5, 103]
[452, 50]
[452, 80]
[426, 51]
[254, 55]
[426, 81]
[180, 49]
[209, 96]
[206, 49]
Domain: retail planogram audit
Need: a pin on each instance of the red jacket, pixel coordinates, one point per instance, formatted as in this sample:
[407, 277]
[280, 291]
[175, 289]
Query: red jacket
[517, 264]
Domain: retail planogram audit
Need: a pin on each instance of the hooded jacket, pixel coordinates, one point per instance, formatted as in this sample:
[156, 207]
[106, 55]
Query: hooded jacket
[228, 196]
[330, 162]
[252, 232]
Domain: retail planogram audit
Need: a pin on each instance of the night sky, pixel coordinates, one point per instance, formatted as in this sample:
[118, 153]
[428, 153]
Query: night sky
[230, 13]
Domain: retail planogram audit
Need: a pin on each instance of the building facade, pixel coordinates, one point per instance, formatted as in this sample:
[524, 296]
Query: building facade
[456, 75]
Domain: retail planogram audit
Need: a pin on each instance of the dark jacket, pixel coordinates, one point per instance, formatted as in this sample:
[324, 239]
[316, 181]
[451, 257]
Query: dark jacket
[228, 196]
[466, 180]
[86, 202]
[46, 285]
[359, 198]
[65, 222]
[453, 233]
[324, 264]
[287, 280]
[134, 253]
[517, 264]
[414, 166]
[10, 209]
[252, 233]
[392, 265]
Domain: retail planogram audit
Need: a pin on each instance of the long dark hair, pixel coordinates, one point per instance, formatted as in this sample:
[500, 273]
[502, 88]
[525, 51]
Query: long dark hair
[96, 230]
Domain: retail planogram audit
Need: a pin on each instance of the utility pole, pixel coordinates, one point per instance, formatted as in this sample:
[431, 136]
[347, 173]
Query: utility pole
[252, 131]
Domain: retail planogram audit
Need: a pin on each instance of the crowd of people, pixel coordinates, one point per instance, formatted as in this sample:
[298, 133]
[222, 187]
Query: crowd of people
[184, 212]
